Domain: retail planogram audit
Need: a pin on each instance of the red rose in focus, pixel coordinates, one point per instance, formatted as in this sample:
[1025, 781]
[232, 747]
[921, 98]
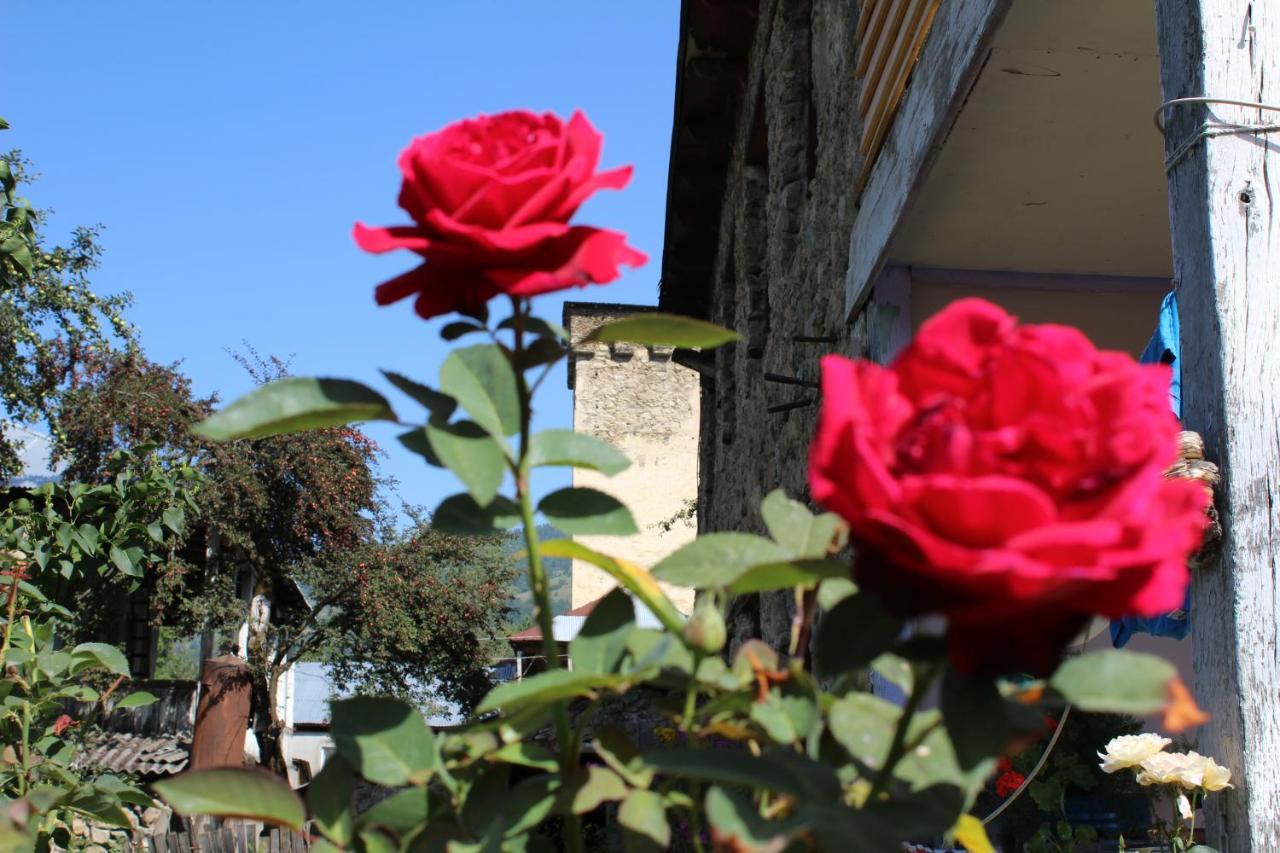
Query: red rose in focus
[1011, 478]
[1008, 782]
[491, 198]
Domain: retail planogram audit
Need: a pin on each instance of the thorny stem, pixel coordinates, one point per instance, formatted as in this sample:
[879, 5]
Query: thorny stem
[897, 749]
[537, 571]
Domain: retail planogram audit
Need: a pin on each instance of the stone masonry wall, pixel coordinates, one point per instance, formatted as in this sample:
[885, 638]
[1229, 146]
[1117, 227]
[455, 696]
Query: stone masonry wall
[779, 275]
[643, 403]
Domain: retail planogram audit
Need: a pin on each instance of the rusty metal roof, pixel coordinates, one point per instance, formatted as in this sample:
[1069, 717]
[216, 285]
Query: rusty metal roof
[146, 755]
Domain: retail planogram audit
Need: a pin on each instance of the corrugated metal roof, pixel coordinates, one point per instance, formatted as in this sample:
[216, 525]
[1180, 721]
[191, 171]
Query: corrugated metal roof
[159, 755]
[567, 625]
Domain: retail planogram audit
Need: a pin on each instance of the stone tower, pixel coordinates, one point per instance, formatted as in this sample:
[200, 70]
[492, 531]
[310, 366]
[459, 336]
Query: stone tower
[643, 403]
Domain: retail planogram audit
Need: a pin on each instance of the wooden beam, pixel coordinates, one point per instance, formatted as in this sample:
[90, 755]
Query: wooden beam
[1226, 257]
[949, 63]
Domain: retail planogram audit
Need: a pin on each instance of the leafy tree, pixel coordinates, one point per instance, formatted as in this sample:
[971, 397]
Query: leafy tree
[50, 318]
[292, 518]
[415, 614]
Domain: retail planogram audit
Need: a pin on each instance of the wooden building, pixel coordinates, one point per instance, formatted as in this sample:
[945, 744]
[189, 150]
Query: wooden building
[841, 169]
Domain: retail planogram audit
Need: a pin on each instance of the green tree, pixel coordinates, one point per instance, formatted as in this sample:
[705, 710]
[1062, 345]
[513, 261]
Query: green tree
[414, 614]
[50, 318]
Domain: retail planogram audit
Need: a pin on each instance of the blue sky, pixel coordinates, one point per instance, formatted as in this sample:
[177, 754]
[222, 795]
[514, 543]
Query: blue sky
[227, 148]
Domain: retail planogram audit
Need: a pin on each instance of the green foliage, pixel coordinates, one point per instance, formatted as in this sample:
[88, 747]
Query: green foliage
[50, 318]
[41, 741]
[414, 614]
[761, 749]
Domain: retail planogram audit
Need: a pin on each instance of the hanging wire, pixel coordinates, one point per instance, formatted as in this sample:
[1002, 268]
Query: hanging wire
[1213, 127]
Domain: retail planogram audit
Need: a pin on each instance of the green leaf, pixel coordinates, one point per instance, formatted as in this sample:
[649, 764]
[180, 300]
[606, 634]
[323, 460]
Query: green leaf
[294, 405]
[481, 380]
[386, 740]
[620, 753]
[461, 514]
[88, 536]
[794, 527]
[895, 670]
[1115, 681]
[415, 441]
[658, 329]
[544, 688]
[136, 699]
[864, 725]
[854, 633]
[643, 818]
[591, 787]
[738, 825]
[175, 519]
[458, 328]
[576, 449]
[717, 559]
[329, 797]
[155, 531]
[801, 572]
[123, 563]
[88, 655]
[602, 641]
[537, 326]
[400, 812]
[234, 792]
[65, 535]
[934, 761]
[471, 453]
[834, 590]
[782, 771]
[635, 579]
[650, 648]
[526, 754]
[441, 406]
[974, 713]
[577, 510]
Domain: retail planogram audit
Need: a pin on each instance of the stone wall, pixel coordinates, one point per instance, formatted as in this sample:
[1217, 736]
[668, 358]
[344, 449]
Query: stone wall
[643, 403]
[779, 272]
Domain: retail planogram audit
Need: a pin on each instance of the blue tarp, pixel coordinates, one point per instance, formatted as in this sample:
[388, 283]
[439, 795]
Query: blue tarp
[1164, 348]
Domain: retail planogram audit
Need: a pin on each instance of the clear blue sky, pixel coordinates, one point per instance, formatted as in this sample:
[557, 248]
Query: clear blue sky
[228, 148]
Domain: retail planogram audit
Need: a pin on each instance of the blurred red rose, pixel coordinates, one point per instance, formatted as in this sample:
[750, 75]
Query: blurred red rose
[1008, 782]
[491, 198]
[1011, 478]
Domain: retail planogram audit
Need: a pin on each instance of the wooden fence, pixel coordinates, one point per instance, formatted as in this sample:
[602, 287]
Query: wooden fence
[232, 837]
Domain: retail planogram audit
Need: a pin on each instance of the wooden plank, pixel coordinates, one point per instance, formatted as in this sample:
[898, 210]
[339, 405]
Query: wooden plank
[865, 10]
[885, 106]
[951, 59]
[874, 93]
[275, 841]
[184, 842]
[1226, 259]
[867, 41]
[887, 38]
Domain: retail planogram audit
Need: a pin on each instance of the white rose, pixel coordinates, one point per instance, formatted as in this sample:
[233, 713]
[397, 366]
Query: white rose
[1131, 751]
[1172, 768]
[1214, 777]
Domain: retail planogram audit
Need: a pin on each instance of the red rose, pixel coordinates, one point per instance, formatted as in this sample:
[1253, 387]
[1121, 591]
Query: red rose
[1008, 782]
[491, 198]
[1011, 478]
[63, 723]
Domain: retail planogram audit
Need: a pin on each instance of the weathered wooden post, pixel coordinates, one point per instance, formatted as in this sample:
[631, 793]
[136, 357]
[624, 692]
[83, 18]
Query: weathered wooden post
[1224, 185]
[222, 714]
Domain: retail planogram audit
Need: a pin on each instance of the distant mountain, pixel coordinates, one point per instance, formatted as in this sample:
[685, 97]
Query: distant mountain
[559, 574]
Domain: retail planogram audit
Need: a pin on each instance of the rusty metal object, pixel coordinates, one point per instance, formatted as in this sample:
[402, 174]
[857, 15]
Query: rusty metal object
[222, 715]
[1192, 465]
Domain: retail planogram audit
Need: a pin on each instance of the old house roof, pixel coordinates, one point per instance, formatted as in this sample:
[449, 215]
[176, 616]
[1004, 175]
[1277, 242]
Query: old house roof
[711, 70]
[145, 755]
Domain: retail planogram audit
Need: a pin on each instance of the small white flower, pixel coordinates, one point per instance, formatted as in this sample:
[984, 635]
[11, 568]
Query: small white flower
[1184, 807]
[1131, 751]
[1172, 768]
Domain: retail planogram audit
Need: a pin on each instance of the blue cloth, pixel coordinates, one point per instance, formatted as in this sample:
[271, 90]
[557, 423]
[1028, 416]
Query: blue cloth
[1164, 348]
